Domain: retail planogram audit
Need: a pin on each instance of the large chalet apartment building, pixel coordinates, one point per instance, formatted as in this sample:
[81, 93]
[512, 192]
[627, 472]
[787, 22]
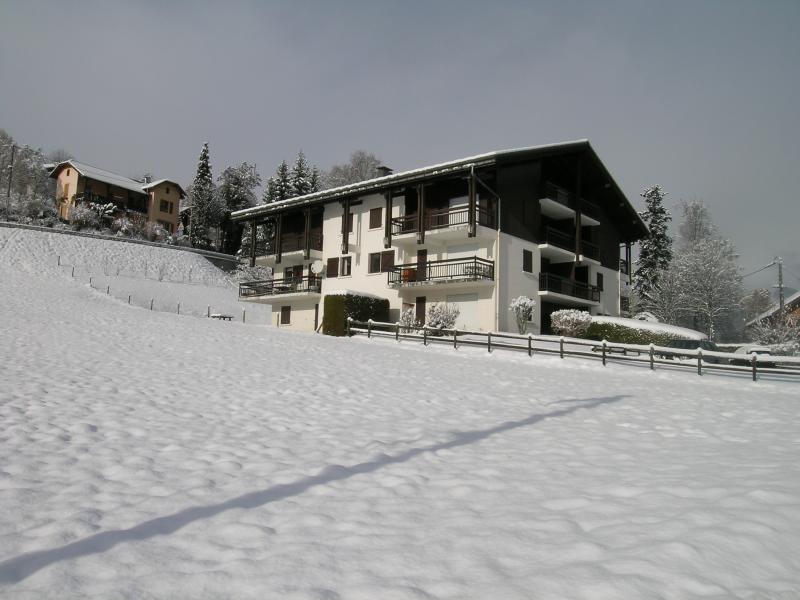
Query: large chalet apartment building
[150, 201]
[547, 222]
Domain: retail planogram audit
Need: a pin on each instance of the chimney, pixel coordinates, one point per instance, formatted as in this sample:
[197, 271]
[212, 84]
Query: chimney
[383, 171]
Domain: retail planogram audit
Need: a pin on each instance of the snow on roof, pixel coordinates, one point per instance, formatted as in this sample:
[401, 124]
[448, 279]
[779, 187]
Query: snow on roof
[682, 332]
[153, 184]
[774, 309]
[114, 179]
[377, 182]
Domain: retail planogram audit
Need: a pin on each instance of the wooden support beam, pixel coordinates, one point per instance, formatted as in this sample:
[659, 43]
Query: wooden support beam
[471, 230]
[345, 225]
[278, 234]
[253, 227]
[387, 222]
[307, 240]
[578, 201]
[420, 214]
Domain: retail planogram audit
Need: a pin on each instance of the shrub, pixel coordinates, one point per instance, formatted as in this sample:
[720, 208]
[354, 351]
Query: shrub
[442, 316]
[408, 320]
[570, 322]
[623, 334]
[82, 217]
[338, 307]
[155, 232]
[522, 307]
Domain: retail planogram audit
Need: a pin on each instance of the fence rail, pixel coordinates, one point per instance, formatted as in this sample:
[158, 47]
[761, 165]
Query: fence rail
[647, 355]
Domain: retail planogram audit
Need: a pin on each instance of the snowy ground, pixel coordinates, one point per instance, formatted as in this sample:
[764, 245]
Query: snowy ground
[151, 455]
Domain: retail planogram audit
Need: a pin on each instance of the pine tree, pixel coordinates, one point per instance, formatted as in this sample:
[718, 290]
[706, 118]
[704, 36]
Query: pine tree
[300, 177]
[270, 191]
[655, 251]
[203, 202]
[236, 189]
[283, 182]
[315, 179]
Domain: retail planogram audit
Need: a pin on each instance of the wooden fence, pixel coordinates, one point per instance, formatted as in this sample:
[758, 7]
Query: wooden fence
[650, 355]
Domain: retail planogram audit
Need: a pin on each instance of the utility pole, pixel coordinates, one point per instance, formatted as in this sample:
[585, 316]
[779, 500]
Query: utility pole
[781, 302]
[10, 174]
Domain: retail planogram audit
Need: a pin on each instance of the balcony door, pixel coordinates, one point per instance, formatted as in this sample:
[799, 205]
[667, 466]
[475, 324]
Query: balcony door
[420, 309]
[422, 265]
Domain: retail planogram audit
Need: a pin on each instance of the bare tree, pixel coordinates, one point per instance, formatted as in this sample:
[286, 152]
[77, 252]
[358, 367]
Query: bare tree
[667, 298]
[361, 166]
[696, 224]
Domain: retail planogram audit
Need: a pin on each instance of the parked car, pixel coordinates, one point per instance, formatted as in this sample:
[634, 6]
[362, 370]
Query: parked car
[694, 345]
[747, 353]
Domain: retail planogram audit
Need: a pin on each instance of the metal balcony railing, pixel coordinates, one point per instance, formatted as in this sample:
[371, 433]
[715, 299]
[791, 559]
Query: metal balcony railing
[290, 242]
[557, 194]
[590, 250]
[560, 285]
[557, 238]
[439, 271]
[276, 287]
[441, 219]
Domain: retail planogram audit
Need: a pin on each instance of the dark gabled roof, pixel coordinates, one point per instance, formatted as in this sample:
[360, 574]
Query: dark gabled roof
[455, 166]
[108, 177]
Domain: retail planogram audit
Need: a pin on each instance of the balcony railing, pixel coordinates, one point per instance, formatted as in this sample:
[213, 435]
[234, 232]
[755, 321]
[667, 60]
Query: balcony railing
[557, 194]
[590, 209]
[290, 242]
[554, 237]
[276, 287]
[590, 250]
[442, 271]
[441, 219]
[559, 285]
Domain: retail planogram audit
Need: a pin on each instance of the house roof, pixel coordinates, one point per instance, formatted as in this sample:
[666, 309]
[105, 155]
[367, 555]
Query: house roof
[789, 303]
[108, 177]
[153, 184]
[454, 166]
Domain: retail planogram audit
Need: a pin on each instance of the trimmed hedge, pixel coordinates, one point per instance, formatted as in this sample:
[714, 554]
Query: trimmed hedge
[621, 334]
[338, 307]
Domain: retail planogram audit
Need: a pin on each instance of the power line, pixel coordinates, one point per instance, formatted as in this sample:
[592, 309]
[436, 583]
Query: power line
[772, 264]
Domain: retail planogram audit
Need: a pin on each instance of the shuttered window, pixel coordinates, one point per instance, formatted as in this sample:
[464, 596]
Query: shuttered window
[333, 267]
[527, 261]
[387, 260]
[600, 281]
[375, 218]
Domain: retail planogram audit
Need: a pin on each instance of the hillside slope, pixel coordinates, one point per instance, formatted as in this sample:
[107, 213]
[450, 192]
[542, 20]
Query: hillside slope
[151, 455]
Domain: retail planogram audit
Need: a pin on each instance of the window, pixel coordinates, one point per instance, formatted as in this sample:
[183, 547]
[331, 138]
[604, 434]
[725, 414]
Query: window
[375, 218]
[286, 315]
[527, 261]
[68, 172]
[333, 267]
[164, 206]
[167, 189]
[381, 262]
[346, 262]
[600, 282]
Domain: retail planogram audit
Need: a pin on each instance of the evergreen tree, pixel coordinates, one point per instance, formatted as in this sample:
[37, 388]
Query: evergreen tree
[315, 179]
[203, 202]
[283, 182]
[655, 251]
[270, 192]
[300, 176]
[237, 184]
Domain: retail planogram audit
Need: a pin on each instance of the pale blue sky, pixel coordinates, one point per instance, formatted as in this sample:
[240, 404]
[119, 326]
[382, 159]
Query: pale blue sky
[700, 97]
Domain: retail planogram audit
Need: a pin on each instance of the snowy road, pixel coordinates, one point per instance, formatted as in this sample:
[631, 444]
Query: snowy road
[149, 455]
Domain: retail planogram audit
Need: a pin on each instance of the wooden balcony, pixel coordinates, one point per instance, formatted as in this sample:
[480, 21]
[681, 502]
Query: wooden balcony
[566, 291]
[292, 245]
[444, 224]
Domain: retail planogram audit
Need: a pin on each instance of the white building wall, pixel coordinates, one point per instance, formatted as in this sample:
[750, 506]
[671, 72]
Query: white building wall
[609, 297]
[515, 282]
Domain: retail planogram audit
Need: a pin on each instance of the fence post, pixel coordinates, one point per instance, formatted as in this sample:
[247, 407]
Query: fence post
[244, 316]
[90, 282]
[455, 339]
[108, 289]
[208, 312]
[347, 326]
[561, 347]
[59, 260]
[424, 335]
[129, 298]
[489, 341]
[397, 331]
[530, 345]
[179, 308]
[604, 353]
[753, 361]
[369, 328]
[73, 271]
[151, 304]
[699, 361]
[652, 357]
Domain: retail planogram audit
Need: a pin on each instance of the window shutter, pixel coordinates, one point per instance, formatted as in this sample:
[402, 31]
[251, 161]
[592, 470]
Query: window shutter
[600, 282]
[387, 260]
[375, 218]
[527, 261]
[333, 267]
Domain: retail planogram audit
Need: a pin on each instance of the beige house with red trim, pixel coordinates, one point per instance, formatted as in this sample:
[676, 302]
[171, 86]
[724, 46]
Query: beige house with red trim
[152, 201]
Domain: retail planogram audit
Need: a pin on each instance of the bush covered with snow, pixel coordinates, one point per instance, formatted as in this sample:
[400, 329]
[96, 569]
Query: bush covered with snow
[339, 307]
[633, 331]
[570, 322]
[408, 320]
[522, 307]
[83, 217]
[441, 316]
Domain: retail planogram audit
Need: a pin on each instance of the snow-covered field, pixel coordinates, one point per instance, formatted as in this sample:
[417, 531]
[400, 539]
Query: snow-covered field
[150, 455]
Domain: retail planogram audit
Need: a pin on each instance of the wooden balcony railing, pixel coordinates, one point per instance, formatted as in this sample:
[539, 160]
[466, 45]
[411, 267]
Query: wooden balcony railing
[438, 271]
[559, 285]
[441, 219]
[276, 287]
[590, 250]
[290, 242]
[557, 194]
[590, 209]
[557, 238]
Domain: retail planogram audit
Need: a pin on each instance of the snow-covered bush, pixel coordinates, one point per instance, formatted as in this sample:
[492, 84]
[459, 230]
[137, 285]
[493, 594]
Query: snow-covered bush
[646, 316]
[570, 322]
[782, 335]
[442, 316]
[522, 307]
[408, 320]
[155, 232]
[38, 207]
[83, 217]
